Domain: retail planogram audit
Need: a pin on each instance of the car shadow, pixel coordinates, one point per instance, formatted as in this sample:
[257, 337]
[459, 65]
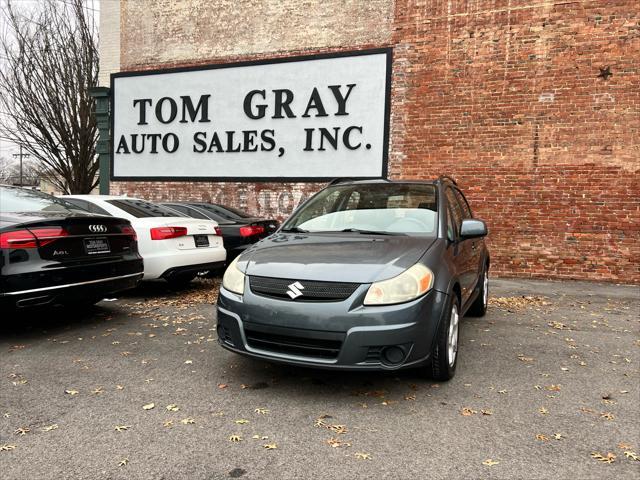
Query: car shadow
[51, 320]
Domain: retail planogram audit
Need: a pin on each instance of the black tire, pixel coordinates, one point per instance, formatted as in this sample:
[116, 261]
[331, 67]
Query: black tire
[441, 368]
[181, 280]
[479, 306]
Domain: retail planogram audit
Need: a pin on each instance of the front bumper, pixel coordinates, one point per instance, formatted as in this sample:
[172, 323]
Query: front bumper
[335, 335]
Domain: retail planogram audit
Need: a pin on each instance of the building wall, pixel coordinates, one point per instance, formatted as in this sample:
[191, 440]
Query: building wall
[510, 97]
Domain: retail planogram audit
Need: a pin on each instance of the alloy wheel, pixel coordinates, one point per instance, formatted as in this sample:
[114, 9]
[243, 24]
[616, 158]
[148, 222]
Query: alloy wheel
[452, 338]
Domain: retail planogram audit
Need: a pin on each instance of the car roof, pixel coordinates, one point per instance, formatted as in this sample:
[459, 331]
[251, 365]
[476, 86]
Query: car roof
[353, 181]
[102, 197]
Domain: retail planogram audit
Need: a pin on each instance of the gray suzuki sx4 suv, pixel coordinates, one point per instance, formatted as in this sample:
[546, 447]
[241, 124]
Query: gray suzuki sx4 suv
[365, 275]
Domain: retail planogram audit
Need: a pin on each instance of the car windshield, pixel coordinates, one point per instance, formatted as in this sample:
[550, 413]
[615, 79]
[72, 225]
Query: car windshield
[385, 208]
[26, 200]
[142, 209]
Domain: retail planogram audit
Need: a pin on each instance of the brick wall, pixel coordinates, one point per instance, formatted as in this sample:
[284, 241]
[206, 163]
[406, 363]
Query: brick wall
[508, 96]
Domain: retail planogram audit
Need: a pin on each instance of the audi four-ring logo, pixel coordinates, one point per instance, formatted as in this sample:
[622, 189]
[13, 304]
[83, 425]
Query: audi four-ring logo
[97, 228]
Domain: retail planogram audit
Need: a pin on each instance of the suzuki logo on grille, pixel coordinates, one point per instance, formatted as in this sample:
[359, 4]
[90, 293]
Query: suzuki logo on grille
[97, 228]
[294, 290]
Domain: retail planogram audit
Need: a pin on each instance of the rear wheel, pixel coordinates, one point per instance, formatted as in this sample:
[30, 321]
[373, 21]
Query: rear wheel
[180, 280]
[479, 307]
[444, 358]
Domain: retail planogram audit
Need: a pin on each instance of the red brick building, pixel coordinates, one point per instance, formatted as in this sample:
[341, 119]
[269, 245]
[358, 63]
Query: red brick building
[533, 106]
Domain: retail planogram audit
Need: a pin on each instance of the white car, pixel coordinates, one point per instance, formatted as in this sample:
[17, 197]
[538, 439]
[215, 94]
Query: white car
[175, 248]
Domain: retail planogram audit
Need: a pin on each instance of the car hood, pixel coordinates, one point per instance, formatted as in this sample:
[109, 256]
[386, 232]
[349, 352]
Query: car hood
[333, 257]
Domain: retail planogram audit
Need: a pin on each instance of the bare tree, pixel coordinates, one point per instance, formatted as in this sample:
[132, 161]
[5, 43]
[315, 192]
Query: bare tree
[49, 61]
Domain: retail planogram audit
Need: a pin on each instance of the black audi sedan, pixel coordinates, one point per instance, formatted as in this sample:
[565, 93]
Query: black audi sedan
[365, 275]
[239, 229]
[51, 252]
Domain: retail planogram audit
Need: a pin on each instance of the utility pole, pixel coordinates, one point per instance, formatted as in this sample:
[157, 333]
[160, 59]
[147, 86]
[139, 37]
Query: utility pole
[21, 155]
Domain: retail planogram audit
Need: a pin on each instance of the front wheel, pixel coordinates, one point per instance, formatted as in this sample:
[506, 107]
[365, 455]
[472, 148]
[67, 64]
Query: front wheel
[444, 358]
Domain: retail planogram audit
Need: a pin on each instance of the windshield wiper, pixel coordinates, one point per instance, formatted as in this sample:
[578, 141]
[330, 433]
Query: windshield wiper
[294, 230]
[370, 232]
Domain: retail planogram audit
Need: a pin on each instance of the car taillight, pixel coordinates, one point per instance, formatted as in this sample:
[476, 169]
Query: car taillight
[162, 233]
[34, 238]
[127, 230]
[250, 230]
[218, 231]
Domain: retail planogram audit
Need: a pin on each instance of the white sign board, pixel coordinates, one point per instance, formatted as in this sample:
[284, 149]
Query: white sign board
[303, 118]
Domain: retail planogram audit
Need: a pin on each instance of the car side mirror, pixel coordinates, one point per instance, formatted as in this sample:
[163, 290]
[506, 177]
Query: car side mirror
[472, 228]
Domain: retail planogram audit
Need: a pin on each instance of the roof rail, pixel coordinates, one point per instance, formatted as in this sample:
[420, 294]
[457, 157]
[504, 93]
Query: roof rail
[336, 181]
[447, 177]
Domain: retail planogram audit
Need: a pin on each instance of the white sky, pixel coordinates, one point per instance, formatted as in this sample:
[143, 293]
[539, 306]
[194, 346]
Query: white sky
[7, 148]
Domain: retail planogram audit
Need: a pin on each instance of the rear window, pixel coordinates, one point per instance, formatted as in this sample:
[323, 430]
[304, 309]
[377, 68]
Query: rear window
[142, 209]
[25, 200]
[227, 213]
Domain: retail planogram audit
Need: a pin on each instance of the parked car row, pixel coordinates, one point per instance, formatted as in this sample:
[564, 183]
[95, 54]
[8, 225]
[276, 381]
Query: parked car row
[365, 275]
[59, 249]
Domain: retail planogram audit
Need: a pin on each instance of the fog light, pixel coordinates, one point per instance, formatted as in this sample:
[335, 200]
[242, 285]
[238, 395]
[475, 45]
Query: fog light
[393, 355]
[220, 331]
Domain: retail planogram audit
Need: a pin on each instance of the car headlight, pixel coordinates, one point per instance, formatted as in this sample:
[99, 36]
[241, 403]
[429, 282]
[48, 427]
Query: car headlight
[410, 284]
[233, 279]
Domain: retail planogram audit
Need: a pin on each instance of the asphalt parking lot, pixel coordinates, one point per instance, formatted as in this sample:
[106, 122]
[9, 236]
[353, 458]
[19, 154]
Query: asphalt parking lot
[547, 387]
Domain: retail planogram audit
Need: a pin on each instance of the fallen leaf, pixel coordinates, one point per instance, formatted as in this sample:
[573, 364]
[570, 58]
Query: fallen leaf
[610, 458]
[241, 421]
[235, 438]
[270, 446]
[632, 455]
[187, 421]
[335, 443]
[149, 406]
[119, 387]
[22, 431]
[553, 388]
[123, 462]
[543, 410]
[121, 428]
[173, 407]
[542, 437]
[168, 423]
[558, 436]
[624, 446]
[6, 447]
[50, 427]
[71, 392]
[502, 391]
[607, 415]
[409, 397]
[98, 391]
[489, 462]
[486, 412]
[222, 386]
[188, 362]
[467, 412]
[261, 411]
[340, 429]
[363, 456]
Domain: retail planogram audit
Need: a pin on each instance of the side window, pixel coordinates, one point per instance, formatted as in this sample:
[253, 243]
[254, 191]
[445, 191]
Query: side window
[466, 210]
[455, 209]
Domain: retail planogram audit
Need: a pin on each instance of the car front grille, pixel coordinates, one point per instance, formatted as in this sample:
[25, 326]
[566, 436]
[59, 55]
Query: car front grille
[301, 346]
[311, 290]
